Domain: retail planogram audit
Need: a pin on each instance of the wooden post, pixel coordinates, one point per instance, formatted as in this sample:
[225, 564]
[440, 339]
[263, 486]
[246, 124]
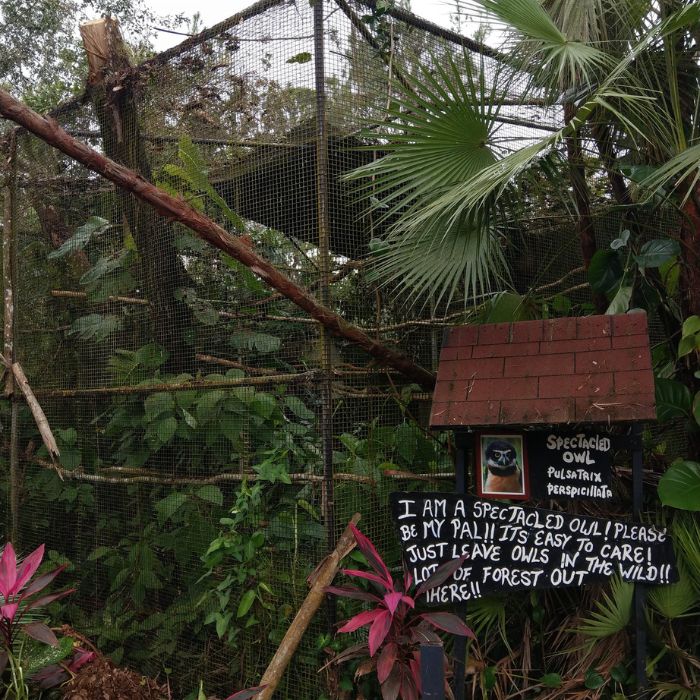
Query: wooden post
[324, 265]
[322, 577]
[8, 277]
[177, 210]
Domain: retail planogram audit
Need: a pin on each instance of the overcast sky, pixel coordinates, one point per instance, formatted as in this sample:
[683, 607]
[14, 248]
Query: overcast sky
[213, 11]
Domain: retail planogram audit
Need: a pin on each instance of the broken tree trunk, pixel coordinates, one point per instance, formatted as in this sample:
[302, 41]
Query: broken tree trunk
[111, 88]
[322, 577]
[177, 210]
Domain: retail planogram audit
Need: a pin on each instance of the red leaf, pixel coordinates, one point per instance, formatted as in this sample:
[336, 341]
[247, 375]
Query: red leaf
[408, 688]
[379, 630]
[27, 567]
[390, 688]
[81, 657]
[9, 611]
[440, 575]
[386, 661]
[386, 585]
[40, 632]
[447, 622]
[40, 583]
[409, 601]
[247, 693]
[414, 666]
[371, 554]
[364, 618]
[8, 570]
[45, 600]
[355, 593]
[392, 601]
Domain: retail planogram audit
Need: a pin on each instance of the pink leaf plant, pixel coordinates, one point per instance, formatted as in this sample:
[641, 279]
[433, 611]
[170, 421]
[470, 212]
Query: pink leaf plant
[396, 629]
[19, 595]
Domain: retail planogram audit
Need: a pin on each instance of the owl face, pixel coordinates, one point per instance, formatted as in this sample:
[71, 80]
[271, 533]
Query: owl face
[501, 454]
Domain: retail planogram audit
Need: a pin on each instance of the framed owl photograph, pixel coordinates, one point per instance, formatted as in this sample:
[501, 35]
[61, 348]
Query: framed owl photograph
[501, 466]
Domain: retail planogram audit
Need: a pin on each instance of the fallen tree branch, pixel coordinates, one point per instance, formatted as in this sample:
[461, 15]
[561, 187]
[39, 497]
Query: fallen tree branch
[182, 386]
[40, 419]
[174, 209]
[323, 576]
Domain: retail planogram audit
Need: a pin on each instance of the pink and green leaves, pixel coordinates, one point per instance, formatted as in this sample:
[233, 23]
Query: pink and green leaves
[395, 630]
[18, 596]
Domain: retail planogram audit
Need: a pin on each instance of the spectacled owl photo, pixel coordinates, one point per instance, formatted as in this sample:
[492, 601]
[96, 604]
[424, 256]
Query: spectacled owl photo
[504, 474]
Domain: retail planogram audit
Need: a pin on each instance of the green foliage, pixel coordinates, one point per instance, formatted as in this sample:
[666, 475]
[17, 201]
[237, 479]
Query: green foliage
[93, 227]
[679, 487]
[612, 612]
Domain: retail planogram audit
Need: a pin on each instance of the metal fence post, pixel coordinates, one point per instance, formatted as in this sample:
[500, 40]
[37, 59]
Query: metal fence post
[432, 671]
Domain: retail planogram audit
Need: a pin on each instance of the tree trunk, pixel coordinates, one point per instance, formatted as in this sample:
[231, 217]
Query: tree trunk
[162, 271]
[177, 210]
[584, 221]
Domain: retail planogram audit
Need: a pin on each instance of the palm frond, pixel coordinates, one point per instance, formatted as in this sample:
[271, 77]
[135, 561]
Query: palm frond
[439, 135]
[486, 614]
[686, 538]
[676, 599]
[555, 59]
[681, 174]
[612, 612]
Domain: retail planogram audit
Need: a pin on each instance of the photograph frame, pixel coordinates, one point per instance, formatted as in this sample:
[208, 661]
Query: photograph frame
[489, 483]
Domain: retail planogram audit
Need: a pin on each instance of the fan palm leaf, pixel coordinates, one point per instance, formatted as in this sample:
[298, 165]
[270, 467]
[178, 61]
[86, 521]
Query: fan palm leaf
[439, 134]
[612, 613]
[676, 599]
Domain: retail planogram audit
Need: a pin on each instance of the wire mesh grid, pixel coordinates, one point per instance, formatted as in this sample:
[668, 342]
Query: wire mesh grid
[173, 378]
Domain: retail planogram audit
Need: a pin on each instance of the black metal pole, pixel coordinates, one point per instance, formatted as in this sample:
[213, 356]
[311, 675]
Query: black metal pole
[640, 624]
[432, 671]
[324, 287]
[459, 651]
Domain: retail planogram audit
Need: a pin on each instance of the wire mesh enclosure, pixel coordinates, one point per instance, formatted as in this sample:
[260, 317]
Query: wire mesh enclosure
[214, 439]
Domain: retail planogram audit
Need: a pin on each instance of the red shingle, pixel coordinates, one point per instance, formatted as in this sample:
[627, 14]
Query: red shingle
[506, 350]
[539, 366]
[589, 369]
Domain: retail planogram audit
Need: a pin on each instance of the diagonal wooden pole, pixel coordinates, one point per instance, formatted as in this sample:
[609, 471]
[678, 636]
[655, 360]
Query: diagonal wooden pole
[175, 209]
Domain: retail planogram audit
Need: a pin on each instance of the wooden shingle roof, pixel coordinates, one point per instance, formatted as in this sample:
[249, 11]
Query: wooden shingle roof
[591, 369]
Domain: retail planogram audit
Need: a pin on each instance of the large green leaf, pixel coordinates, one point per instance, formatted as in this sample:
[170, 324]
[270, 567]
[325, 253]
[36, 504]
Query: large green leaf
[673, 399]
[605, 271]
[94, 226]
[96, 327]
[657, 252]
[679, 487]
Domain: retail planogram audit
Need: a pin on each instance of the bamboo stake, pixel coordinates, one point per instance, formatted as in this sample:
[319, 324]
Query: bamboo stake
[175, 209]
[78, 474]
[183, 386]
[323, 576]
[141, 476]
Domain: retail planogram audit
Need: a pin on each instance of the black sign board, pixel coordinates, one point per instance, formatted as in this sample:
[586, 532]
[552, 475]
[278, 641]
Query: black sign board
[512, 547]
[570, 465]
